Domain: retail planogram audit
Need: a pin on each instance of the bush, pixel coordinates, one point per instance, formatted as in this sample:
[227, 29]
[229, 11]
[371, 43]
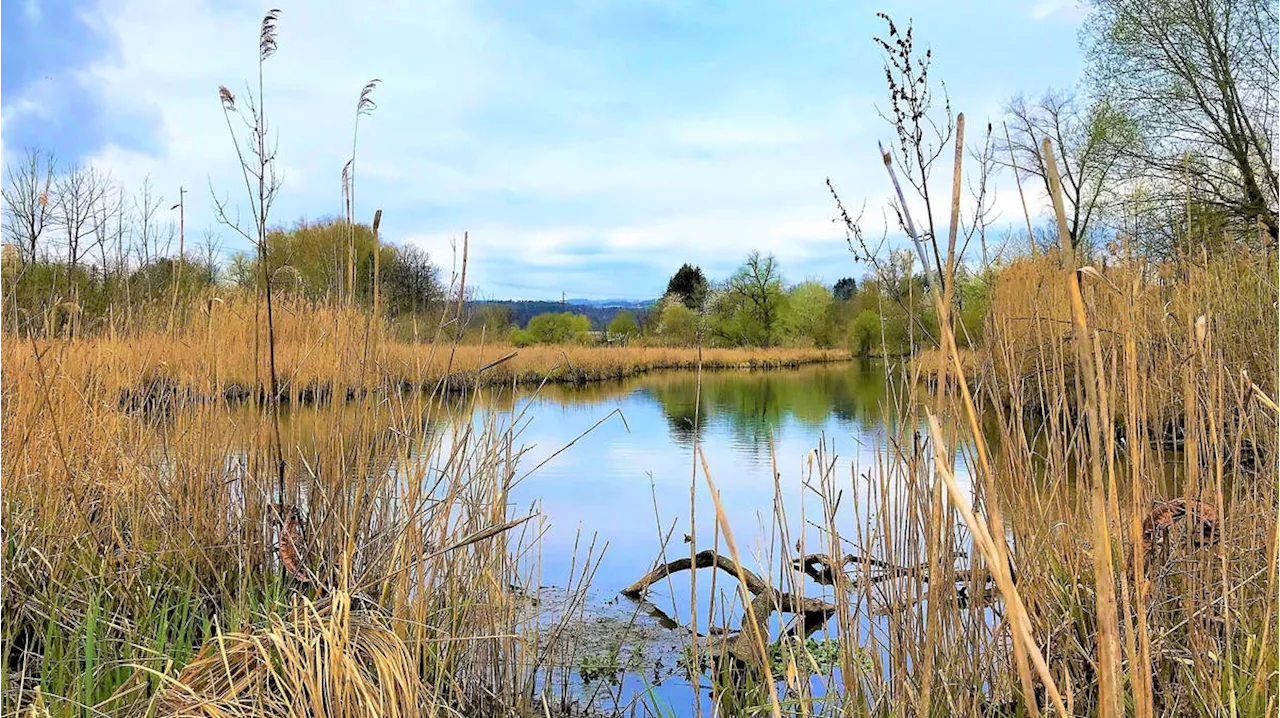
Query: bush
[677, 324]
[624, 324]
[521, 338]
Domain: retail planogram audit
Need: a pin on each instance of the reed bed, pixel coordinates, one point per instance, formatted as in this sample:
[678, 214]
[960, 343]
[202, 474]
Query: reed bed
[323, 351]
[154, 566]
[1079, 519]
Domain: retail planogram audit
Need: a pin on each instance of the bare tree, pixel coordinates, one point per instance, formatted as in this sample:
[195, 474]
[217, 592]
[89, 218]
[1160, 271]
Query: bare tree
[77, 210]
[146, 206]
[209, 249]
[1089, 141]
[1199, 77]
[107, 224]
[28, 209]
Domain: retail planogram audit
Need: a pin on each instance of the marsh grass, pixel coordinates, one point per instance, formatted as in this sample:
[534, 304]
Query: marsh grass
[1029, 589]
[211, 356]
[197, 559]
[142, 562]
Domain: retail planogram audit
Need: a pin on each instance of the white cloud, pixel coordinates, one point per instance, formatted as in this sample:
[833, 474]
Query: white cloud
[446, 145]
[541, 149]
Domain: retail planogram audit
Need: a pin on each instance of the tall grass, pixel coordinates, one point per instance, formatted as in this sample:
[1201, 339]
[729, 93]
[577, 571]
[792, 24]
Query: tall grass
[141, 565]
[211, 356]
[166, 554]
[1039, 586]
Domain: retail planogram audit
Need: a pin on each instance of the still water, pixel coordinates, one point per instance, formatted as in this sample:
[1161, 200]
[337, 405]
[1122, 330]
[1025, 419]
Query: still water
[628, 480]
[611, 466]
[626, 484]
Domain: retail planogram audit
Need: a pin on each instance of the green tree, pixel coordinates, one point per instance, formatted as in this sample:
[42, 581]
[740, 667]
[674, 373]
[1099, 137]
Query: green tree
[690, 285]
[624, 324]
[561, 328]
[753, 298]
[677, 324]
[806, 315]
[865, 333]
[1200, 79]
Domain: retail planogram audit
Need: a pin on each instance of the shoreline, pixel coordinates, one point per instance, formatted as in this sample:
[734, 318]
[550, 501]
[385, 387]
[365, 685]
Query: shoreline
[166, 391]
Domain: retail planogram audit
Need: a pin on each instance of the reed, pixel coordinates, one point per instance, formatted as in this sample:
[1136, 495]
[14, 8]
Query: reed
[1037, 587]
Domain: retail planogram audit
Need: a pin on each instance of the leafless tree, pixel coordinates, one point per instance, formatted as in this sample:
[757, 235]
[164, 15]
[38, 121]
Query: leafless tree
[209, 249]
[77, 210]
[983, 213]
[1200, 79]
[28, 205]
[1089, 142]
[108, 225]
[148, 231]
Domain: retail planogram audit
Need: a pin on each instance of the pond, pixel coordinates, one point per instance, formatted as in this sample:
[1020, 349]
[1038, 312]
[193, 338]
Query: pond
[625, 485]
[609, 468]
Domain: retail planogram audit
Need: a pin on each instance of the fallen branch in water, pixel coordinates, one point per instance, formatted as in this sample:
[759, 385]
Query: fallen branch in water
[813, 613]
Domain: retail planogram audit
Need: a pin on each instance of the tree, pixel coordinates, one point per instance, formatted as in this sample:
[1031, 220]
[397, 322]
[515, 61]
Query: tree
[1088, 142]
[896, 272]
[410, 282]
[806, 315]
[1199, 78]
[677, 324]
[78, 197]
[28, 209]
[624, 324]
[561, 328]
[845, 288]
[240, 271]
[690, 285]
[758, 286]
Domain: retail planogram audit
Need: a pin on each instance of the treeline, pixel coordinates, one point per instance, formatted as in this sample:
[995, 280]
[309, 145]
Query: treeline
[887, 313]
[82, 253]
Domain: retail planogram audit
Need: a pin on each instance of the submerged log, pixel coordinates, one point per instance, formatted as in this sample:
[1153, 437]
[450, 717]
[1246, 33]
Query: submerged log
[811, 612]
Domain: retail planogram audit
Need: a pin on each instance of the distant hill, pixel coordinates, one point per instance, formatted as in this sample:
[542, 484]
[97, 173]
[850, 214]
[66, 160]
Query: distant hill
[618, 303]
[599, 311]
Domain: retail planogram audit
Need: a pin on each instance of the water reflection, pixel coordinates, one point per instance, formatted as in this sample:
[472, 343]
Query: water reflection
[626, 483]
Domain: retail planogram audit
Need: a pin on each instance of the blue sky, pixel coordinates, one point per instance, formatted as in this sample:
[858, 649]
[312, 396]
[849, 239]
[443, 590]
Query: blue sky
[588, 147]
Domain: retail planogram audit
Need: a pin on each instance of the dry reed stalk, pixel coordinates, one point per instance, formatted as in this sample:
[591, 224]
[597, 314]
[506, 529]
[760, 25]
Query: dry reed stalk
[950, 349]
[754, 626]
[1103, 564]
[1000, 571]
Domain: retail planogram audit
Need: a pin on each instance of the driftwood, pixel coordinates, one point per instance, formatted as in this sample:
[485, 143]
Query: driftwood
[812, 612]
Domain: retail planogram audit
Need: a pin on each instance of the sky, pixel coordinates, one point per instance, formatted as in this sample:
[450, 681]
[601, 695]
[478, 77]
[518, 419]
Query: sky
[586, 147]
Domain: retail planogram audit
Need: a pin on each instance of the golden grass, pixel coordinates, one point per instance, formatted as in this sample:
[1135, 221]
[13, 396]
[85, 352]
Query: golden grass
[336, 349]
